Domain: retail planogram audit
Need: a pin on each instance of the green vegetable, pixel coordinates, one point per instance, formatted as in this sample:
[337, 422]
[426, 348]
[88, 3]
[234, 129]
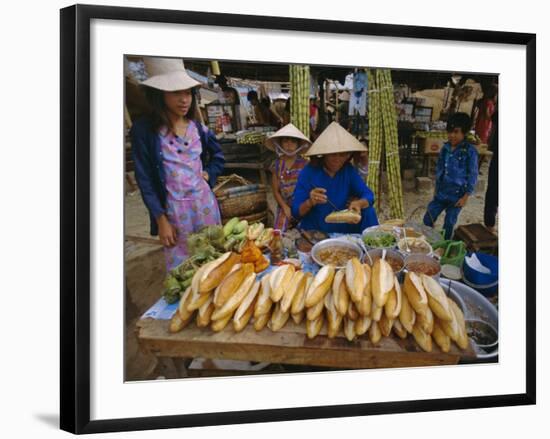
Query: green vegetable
[240, 236]
[240, 227]
[229, 226]
[172, 289]
[379, 240]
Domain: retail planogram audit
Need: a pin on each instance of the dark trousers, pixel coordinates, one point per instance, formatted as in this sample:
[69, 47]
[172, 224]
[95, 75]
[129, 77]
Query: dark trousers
[491, 195]
[438, 205]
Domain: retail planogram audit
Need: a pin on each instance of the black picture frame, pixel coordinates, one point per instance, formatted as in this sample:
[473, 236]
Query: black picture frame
[75, 217]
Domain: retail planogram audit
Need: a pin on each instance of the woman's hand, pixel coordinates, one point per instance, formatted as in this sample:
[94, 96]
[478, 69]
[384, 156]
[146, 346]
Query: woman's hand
[357, 205]
[167, 232]
[205, 175]
[317, 196]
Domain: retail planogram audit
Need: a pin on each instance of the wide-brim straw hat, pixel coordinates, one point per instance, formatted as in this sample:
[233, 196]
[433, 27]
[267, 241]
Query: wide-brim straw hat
[335, 139]
[168, 74]
[288, 130]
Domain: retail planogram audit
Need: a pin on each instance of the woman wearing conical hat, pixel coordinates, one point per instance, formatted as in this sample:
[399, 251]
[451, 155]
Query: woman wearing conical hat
[177, 159]
[329, 181]
[289, 143]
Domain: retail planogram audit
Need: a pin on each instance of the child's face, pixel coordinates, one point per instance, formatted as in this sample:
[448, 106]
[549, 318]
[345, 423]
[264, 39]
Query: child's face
[289, 145]
[455, 136]
[178, 102]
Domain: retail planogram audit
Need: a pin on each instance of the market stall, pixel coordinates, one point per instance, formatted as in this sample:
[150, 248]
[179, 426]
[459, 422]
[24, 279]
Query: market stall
[345, 301]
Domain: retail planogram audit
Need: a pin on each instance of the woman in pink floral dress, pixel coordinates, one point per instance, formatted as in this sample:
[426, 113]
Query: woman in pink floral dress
[177, 159]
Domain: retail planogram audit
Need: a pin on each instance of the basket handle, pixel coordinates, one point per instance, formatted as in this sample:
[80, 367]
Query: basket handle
[229, 178]
[458, 244]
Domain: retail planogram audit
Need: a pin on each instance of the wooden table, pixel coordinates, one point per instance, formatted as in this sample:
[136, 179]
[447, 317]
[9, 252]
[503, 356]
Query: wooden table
[290, 345]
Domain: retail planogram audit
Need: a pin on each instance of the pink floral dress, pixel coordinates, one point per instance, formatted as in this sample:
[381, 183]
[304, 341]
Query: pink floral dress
[191, 204]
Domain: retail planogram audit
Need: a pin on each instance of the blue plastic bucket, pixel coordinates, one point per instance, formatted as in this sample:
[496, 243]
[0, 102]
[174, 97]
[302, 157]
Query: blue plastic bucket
[486, 284]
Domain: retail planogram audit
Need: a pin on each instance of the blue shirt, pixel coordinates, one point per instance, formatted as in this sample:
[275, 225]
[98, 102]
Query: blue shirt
[456, 171]
[340, 188]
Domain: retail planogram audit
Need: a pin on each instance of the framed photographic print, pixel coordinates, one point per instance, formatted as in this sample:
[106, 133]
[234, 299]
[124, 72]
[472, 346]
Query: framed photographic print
[252, 233]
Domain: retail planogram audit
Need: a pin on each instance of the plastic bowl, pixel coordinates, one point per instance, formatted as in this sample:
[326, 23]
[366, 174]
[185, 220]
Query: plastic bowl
[486, 284]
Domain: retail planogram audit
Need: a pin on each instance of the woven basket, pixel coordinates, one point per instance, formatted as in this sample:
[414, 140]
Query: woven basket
[257, 217]
[238, 197]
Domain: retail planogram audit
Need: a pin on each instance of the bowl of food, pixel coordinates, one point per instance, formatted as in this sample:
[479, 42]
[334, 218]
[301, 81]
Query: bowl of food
[413, 246]
[379, 238]
[336, 252]
[409, 232]
[425, 264]
[483, 334]
[393, 257]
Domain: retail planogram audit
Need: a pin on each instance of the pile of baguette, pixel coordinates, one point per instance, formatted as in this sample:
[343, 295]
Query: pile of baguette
[355, 300]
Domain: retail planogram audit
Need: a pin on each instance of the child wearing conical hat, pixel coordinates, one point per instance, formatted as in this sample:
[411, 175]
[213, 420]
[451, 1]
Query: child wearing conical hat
[288, 143]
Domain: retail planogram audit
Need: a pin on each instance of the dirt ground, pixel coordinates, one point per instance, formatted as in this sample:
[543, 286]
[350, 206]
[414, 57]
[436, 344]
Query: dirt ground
[145, 261]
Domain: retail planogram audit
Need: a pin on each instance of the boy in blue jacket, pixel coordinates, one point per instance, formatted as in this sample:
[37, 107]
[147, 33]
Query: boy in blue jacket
[456, 174]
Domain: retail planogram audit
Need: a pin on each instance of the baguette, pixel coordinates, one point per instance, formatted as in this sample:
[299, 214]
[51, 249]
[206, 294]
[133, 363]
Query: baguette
[407, 316]
[219, 325]
[385, 325]
[345, 216]
[176, 323]
[374, 333]
[298, 317]
[264, 302]
[278, 318]
[195, 281]
[231, 284]
[280, 280]
[426, 321]
[248, 300]
[399, 330]
[313, 327]
[204, 315]
[382, 282]
[362, 325]
[215, 273]
[334, 319]
[437, 299]
[183, 310]
[462, 339]
[314, 312]
[320, 286]
[423, 339]
[196, 301]
[340, 292]
[352, 313]
[235, 300]
[261, 321]
[440, 338]
[364, 306]
[415, 292]
[299, 301]
[376, 312]
[356, 279]
[296, 284]
[240, 322]
[394, 302]
[349, 329]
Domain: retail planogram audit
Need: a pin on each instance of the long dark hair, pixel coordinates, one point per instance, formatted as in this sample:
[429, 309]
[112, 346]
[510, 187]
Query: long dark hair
[158, 113]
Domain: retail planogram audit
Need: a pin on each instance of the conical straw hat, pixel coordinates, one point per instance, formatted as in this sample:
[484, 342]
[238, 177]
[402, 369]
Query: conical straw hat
[167, 74]
[335, 139]
[288, 130]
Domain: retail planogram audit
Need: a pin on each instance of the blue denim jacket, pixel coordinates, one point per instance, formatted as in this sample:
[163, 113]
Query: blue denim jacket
[456, 171]
[149, 169]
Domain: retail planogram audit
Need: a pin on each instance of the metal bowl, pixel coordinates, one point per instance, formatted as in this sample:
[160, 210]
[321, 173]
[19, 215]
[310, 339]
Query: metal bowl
[417, 257]
[335, 242]
[476, 307]
[376, 231]
[404, 246]
[373, 255]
